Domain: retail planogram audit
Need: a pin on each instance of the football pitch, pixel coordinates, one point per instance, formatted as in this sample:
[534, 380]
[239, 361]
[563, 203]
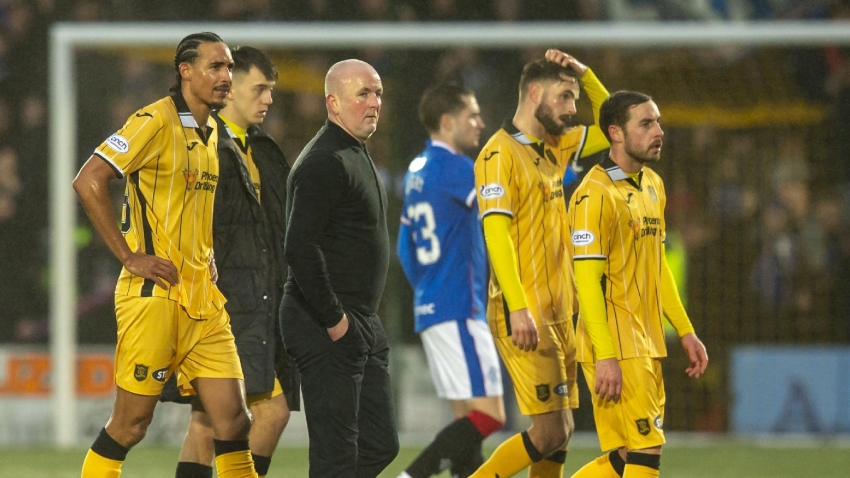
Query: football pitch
[731, 459]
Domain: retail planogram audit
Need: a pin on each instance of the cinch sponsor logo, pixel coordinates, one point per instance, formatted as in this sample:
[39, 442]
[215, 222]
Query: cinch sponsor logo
[583, 238]
[118, 143]
[424, 309]
[492, 191]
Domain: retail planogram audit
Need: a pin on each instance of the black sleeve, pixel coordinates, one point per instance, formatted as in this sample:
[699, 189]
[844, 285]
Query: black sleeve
[315, 187]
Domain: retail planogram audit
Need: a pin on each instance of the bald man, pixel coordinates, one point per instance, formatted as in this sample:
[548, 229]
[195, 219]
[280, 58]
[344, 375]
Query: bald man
[337, 248]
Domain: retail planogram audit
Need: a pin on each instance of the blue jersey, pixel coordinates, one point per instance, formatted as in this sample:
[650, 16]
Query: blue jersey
[441, 241]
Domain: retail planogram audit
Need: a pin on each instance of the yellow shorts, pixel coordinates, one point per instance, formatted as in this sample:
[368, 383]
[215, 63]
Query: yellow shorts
[156, 337]
[637, 420]
[278, 390]
[545, 379]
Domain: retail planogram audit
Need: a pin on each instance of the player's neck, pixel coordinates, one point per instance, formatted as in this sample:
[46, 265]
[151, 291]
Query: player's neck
[230, 115]
[622, 159]
[528, 125]
[444, 141]
[200, 110]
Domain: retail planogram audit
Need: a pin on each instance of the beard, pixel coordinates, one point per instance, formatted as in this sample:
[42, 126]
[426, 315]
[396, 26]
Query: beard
[641, 156]
[544, 115]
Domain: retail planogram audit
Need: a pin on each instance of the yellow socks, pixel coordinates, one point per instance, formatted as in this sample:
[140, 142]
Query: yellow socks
[609, 465]
[105, 458]
[514, 454]
[96, 466]
[550, 467]
[233, 459]
[642, 465]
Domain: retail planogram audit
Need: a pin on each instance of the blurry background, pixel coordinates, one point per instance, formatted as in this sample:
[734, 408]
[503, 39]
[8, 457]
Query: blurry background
[756, 166]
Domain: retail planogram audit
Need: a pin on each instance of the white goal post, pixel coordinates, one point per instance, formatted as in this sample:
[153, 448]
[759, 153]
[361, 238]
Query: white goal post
[66, 38]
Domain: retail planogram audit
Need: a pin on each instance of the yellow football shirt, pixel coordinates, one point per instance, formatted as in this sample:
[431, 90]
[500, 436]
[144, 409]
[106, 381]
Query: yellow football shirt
[522, 179]
[621, 220]
[171, 168]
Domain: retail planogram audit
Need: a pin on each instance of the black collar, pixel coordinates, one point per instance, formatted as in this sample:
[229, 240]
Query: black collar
[521, 138]
[186, 118]
[617, 174]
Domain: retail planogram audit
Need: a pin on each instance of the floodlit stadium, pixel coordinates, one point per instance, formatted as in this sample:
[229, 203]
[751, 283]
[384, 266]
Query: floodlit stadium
[754, 98]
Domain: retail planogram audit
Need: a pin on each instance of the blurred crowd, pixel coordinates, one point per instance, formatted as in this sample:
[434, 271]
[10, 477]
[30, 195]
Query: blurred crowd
[757, 211]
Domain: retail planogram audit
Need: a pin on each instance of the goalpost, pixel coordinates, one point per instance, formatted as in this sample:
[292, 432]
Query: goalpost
[67, 38]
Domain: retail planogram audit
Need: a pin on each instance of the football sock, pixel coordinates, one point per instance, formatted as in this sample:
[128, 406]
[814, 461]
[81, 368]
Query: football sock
[609, 465]
[104, 458]
[233, 459]
[550, 467]
[189, 469]
[642, 465]
[468, 467]
[514, 454]
[261, 464]
[456, 443]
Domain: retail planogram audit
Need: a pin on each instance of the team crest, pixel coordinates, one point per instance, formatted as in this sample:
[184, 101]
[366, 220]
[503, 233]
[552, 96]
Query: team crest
[141, 372]
[635, 226]
[543, 392]
[191, 178]
[642, 426]
[652, 194]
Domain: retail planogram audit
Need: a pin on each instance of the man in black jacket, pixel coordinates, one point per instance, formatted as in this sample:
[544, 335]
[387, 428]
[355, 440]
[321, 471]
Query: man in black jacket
[337, 248]
[248, 230]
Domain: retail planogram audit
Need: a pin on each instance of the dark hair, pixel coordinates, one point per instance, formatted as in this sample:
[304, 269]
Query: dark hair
[244, 57]
[615, 110]
[187, 51]
[538, 71]
[440, 99]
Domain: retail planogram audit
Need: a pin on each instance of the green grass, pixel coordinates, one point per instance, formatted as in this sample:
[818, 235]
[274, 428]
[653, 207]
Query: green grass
[727, 460]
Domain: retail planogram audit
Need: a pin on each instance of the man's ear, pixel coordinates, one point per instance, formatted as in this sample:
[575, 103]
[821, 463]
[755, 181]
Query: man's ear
[185, 70]
[447, 122]
[332, 103]
[616, 133]
[535, 93]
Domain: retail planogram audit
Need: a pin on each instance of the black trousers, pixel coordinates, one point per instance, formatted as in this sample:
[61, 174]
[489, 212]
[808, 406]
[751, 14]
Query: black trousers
[348, 400]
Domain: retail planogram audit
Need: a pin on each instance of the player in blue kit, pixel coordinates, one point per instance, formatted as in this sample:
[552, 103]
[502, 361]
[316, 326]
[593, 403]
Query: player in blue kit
[441, 248]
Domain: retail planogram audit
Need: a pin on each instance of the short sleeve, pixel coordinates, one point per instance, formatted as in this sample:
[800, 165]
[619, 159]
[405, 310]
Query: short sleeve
[494, 183]
[590, 217]
[135, 144]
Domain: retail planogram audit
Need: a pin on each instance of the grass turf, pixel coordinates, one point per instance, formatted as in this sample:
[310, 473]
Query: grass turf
[727, 460]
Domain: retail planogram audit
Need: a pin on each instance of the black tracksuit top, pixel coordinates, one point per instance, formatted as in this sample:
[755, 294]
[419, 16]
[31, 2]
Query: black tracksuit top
[336, 245]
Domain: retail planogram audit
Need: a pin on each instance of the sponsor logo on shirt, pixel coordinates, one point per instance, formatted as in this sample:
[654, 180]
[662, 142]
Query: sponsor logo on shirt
[492, 191]
[118, 143]
[583, 238]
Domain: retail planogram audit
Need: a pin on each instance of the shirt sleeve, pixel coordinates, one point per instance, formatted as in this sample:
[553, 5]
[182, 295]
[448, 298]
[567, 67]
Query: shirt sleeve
[134, 145]
[493, 180]
[594, 141]
[315, 187]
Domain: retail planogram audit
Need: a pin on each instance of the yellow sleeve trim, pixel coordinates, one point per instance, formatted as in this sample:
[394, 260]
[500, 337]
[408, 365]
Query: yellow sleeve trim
[500, 247]
[597, 93]
[671, 302]
[592, 306]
